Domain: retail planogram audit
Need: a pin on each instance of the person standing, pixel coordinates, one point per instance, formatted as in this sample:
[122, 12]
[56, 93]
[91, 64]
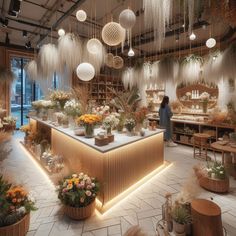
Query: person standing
[165, 114]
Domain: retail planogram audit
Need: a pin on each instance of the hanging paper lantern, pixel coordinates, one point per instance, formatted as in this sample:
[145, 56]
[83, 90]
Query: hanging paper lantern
[94, 46]
[113, 34]
[81, 15]
[109, 61]
[127, 19]
[85, 71]
[118, 62]
[211, 42]
[61, 32]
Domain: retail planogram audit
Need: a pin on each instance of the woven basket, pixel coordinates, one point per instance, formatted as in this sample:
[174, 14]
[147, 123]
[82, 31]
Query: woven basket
[20, 228]
[215, 185]
[80, 213]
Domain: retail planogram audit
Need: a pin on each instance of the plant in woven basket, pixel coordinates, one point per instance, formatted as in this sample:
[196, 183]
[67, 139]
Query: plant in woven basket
[15, 203]
[78, 190]
[216, 170]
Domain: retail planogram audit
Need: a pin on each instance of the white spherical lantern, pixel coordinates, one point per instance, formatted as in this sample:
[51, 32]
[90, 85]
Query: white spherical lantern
[85, 71]
[118, 62]
[61, 32]
[210, 43]
[127, 19]
[81, 15]
[113, 34]
[94, 46]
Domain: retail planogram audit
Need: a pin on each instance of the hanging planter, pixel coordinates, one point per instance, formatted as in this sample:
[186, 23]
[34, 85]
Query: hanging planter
[190, 68]
[118, 62]
[109, 61]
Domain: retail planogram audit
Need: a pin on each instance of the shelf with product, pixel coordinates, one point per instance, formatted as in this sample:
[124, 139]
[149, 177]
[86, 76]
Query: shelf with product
[98, 87]
[154, 97]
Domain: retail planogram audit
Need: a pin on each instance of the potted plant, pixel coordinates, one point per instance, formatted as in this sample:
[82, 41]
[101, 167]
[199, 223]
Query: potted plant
[61, 97]
[110, 122]
[140, 116]
[205, 99]
[181, 218]
[15, 207]
[89, 121]
[78, 193]
[72, 109]
[129, 125]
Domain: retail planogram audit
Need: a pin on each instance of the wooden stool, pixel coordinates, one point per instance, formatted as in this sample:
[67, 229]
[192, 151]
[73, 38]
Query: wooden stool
[200, 142]
[206, 218]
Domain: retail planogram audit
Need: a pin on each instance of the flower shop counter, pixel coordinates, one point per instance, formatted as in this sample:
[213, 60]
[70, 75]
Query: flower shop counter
[118, 166]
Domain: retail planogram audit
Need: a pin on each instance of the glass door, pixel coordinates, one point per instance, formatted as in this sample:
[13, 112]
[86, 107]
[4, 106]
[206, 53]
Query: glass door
[24, 91]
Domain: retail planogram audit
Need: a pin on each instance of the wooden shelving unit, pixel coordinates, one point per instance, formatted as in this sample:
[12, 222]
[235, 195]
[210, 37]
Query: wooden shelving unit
[98, 87]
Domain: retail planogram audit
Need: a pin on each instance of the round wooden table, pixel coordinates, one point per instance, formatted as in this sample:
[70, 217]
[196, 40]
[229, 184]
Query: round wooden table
[226, 151]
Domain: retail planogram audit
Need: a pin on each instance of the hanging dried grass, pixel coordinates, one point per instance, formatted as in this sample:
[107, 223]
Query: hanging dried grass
[128, 78]
[166, 69]
[212, 72]
[190, 68]
[48, 60]
[96, 59]
[70, 51]
[228, 67]
[157, 14]
[32, 70]
[6, 76]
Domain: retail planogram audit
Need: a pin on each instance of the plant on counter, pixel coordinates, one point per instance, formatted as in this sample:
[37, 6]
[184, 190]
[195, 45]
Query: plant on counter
[61, 97]
[9, 120]
[15, 206]
[88, 121]
[72, 108]
[140, 115]
[216, 170]
[37, 105]
[101, 110]
[129, 124]
[111, 121]
[78, 193]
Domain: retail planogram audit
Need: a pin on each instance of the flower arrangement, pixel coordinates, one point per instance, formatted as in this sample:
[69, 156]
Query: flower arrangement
[89, 119]
[217, 170]
[37, 105]
[72, 108]
[101, 110]
[140, 115]
[78, 190]
[15, 203]
[47, 104]
[129, 124]
[61, 97]
[205, 96]
[9, 120]
[111, 121]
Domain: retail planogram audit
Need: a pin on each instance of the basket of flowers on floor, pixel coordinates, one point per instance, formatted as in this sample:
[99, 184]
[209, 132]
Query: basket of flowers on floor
[15, 207]
[213, 177]
[78, 193]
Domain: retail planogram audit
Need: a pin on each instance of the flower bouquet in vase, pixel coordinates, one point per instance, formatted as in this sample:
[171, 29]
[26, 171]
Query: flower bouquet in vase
[110, 122]
[140, 116]
[129, 125]
[205, 99]
[78, 193]
[72, 109]
[89, 121]
[37, 106]
[61, 97]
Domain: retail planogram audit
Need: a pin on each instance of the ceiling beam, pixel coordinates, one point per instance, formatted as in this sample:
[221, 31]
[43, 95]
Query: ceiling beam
[62, 18]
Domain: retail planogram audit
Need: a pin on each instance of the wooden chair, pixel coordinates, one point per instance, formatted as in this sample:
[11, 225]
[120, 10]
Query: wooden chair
[200, 145]
[206, 218]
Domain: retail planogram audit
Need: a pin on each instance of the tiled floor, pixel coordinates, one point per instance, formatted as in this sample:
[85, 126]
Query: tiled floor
[143, 207]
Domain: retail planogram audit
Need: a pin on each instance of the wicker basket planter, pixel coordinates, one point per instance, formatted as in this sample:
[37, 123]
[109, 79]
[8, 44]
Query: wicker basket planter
[213, 185]
[20, 228]
[79, 213]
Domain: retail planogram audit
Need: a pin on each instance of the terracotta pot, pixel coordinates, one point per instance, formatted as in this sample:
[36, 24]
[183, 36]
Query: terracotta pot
[79, 213]
[179, 228]
[20, 228]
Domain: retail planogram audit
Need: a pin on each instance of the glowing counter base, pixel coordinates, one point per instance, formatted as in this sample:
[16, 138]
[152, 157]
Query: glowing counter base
[117, 169]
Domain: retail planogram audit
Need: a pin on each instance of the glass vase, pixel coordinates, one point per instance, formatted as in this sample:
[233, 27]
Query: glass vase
[89, 131]
[204, 107]
[109, 131]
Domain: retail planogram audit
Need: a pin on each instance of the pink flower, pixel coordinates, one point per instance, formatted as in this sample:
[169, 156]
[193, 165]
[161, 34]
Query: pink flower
[88, 193]
[81, 199]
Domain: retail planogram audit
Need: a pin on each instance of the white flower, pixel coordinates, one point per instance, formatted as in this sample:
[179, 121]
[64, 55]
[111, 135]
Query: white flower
[221, 172]
[21, 210]
[74, 176]
[88, 193]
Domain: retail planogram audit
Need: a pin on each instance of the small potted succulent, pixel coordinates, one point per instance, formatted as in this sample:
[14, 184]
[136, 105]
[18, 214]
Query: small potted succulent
[78, 193]
[181, 218]
[15, 207]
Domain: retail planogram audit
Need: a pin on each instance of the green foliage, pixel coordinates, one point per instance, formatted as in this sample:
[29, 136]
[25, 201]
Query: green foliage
[181, 214]
[217, 169]
[192, 58]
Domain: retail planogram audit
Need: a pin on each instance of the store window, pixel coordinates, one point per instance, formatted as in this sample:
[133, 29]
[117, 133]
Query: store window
[24, 90]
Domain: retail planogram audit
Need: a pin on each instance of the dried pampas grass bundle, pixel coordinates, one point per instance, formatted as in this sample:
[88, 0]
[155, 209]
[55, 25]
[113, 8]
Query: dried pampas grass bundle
[190, 68]
[128, 78]
[212, 71]
[6, 76]
[228, 62]
[48, 60]
[96, 59]
[70, 51]
[157, 14]
[32, 70]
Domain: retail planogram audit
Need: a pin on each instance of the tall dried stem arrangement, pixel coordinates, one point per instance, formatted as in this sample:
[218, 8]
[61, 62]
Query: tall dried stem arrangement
[81, 92]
